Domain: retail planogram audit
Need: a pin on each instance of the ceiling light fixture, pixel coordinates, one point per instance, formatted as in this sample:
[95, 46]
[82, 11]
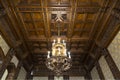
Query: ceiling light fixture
[58, 59]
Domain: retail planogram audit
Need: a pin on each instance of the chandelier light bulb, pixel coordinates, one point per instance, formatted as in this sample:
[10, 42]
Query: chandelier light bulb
[48, 56]
[31, 73]
[65, 52]
[59, 3]
[63, 41]
[48, 52]
[58, 40]
[54, 40]
[69, 55]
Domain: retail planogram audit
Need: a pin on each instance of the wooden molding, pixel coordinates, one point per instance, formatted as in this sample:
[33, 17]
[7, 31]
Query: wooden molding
[114, 69]
[100, 71]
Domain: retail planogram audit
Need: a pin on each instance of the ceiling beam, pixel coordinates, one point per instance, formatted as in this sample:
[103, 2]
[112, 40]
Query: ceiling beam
[75, 39]
[72, 19]
[79, 10]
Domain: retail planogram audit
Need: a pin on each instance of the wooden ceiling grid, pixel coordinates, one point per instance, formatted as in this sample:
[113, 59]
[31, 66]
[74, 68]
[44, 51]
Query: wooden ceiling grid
[86, 27]
[38, 19]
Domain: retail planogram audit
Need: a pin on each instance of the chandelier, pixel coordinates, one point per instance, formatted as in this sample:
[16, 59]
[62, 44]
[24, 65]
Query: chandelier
[58, 59]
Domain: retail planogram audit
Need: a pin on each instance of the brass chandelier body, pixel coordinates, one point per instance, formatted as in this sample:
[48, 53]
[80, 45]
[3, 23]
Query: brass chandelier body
[58, 60]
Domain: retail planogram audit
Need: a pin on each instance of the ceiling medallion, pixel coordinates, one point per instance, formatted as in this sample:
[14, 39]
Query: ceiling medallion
[58, 59]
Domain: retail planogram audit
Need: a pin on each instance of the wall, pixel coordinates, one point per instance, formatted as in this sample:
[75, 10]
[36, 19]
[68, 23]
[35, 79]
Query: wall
[61, 78]
[40, 78]
[22, 74]
[15, 60]
[114, 50]
[76, 78]
[105, 69]
[4, 75]
[4, 45]
[5, 49]
[94, 74]
[58, 78]
[109, 63]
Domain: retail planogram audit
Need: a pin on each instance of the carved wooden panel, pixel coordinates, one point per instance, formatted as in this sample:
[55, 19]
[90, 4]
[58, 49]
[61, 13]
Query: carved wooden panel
[82, 27]
[40, 28]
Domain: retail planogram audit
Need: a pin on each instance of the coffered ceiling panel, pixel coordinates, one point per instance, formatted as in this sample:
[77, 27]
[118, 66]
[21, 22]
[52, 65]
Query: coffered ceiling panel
[77, 26]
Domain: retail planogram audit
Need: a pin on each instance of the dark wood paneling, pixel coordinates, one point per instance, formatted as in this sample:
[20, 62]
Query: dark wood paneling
[17, 70]
[2, 56]
[85, 25]
[29, 76]
[51, 77]
[100, 71]
[7, 60]
[114, 69]
[11, 71]
[65, 77]
[88, 76]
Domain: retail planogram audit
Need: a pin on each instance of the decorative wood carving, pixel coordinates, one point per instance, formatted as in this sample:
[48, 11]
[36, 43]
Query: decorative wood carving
[31, 27]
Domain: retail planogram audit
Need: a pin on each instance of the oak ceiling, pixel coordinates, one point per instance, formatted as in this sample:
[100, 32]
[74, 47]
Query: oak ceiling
[79, 26]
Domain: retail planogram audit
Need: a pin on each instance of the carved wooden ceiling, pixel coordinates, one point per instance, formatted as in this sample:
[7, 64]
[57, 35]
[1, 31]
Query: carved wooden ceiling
[79, 28]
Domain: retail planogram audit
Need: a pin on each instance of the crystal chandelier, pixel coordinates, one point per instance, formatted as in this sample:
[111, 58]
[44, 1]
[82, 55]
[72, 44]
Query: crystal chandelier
[58, 59]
